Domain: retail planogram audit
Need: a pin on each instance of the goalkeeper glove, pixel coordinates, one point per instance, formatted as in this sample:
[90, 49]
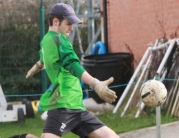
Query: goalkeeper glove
[101, 88]
[36, 68]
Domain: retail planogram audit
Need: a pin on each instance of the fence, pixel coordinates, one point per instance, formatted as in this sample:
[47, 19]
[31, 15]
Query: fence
[20, 32]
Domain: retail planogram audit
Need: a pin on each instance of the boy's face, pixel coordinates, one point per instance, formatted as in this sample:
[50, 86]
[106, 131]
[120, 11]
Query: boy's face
[65, 27]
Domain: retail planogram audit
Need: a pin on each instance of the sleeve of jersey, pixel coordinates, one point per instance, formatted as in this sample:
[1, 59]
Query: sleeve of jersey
[40, 55]
[70, 60]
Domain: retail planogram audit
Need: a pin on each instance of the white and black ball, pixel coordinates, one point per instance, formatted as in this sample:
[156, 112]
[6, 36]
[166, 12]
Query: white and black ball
[153, 93]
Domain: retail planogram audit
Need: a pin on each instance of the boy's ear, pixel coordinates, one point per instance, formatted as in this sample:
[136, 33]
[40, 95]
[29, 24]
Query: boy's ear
[56, 22]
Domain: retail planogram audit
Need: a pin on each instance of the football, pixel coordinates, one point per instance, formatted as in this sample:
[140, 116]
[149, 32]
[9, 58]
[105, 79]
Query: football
[153, 93]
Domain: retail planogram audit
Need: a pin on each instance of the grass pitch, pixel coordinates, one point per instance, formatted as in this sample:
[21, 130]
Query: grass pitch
[114, 121]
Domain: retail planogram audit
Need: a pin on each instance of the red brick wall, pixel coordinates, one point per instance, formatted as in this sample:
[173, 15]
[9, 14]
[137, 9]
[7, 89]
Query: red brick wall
[138, 22]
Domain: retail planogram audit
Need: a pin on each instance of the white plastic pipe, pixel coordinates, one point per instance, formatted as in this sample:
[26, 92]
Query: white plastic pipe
[175, 103]
[136, 86]
[91, 105]
[158, 112]
[139, 80]
[131, 81]
[159, 69]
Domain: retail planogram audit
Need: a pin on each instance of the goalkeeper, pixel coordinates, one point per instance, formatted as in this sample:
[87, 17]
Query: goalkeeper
[66, 111]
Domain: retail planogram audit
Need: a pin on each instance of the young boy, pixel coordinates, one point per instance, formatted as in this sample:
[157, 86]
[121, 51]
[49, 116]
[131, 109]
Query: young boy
[66, 111]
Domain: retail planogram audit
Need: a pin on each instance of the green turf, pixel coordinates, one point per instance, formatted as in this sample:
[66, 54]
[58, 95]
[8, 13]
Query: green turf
[114, 121]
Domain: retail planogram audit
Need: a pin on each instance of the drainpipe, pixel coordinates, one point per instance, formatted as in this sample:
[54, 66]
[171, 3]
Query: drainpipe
[42, 33]
[105, 2]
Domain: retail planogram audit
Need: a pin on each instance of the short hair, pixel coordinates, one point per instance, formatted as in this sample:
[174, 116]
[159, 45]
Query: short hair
[51, 17]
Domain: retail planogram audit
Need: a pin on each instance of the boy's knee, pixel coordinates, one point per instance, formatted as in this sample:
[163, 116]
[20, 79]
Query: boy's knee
[19, 136]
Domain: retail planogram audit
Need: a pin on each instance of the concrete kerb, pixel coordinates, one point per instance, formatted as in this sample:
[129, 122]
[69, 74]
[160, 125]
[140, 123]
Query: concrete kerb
[170, 130]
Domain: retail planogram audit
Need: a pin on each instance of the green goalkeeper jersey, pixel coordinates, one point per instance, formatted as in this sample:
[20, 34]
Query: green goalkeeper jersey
[64, 71]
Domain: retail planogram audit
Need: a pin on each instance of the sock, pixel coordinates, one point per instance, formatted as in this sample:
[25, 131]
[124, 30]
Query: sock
[19, 136]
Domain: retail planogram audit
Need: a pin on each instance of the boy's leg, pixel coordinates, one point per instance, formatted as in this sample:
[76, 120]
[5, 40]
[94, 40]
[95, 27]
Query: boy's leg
[103, 132]
[91, 127]
[24, 136]
[49, 135]
[60, 121]
[31, 136]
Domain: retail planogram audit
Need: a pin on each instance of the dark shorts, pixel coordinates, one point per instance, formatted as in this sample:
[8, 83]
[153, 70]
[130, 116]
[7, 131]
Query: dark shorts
[61, 121]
